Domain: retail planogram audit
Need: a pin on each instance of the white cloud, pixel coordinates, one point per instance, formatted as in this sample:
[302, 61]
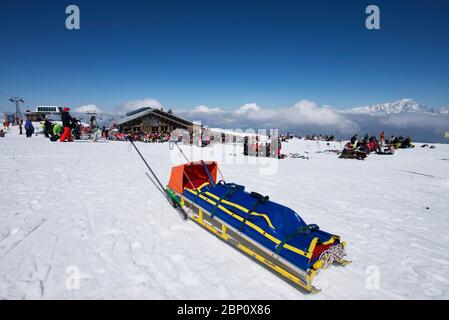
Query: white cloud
[137, 104]
[306, 117]
[206, 109]
[303, 115]
[309, 113]
[247, 107]
[421, 127]
[415, 120]
[87, 108]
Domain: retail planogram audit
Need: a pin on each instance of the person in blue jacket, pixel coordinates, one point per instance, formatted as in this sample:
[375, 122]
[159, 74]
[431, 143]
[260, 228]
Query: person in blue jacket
[29, 128]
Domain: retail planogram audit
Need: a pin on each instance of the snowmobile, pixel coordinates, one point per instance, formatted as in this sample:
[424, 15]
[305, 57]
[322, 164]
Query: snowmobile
[273, 234]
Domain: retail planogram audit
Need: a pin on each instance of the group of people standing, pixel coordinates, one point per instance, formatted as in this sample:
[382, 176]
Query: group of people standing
[271, 148]
[67, 129]
[71, 128]
[29, 128]
[63, 133]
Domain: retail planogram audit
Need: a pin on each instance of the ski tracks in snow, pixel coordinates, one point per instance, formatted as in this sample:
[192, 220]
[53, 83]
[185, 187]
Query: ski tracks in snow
[91, 207]
[26, 235]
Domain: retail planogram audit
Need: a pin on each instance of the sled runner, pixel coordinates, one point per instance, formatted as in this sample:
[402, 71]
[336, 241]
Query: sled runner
[274, 235]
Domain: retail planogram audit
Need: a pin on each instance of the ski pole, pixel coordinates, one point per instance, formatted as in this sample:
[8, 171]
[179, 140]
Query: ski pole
[159, 185]
[146, 163]
[155, 184]
[187, 159]
[179, 148]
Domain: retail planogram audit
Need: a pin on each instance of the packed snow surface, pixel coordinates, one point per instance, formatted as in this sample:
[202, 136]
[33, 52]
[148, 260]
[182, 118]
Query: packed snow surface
[82, 221]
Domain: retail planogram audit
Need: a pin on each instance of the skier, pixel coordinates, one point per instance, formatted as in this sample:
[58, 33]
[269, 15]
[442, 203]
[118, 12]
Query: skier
[273, 147]
[93, 123]
[67, 124]
[353, 141]
[76, 125]
[245, 146]
[407, 143]
[55, 132]
[392, 139]
[366, 138]
[267, 149]
[279, 148]
[95, 135]
[47, 127]
[29, 128]
[20, 126]
[6, 124]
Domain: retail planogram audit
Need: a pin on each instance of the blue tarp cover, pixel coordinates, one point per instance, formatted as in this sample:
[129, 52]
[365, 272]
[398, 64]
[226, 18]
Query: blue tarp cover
[276, 227]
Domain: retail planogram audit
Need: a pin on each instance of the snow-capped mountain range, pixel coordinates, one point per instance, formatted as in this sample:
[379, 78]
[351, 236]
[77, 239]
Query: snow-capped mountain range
[400, 106]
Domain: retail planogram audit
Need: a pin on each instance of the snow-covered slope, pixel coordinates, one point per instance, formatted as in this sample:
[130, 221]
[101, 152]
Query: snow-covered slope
[69, 209]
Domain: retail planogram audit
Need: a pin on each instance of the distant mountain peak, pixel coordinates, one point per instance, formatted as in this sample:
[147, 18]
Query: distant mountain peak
[443, 110]
[400, 106]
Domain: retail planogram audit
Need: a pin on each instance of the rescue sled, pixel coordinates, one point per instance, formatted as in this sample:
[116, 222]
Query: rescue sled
[274, 235]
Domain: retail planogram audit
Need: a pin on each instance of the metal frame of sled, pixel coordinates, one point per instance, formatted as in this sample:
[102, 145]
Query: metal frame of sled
[302, 277]
[250, 247]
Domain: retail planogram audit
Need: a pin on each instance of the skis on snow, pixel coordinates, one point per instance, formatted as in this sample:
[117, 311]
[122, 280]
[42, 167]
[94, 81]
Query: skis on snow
[174, 202]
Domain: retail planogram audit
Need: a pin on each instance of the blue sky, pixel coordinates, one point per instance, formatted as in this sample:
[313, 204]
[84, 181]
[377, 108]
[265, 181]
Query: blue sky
[224, 53]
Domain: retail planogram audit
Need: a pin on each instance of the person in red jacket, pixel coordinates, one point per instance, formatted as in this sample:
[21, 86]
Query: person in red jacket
[382, 141]
[67, 124]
